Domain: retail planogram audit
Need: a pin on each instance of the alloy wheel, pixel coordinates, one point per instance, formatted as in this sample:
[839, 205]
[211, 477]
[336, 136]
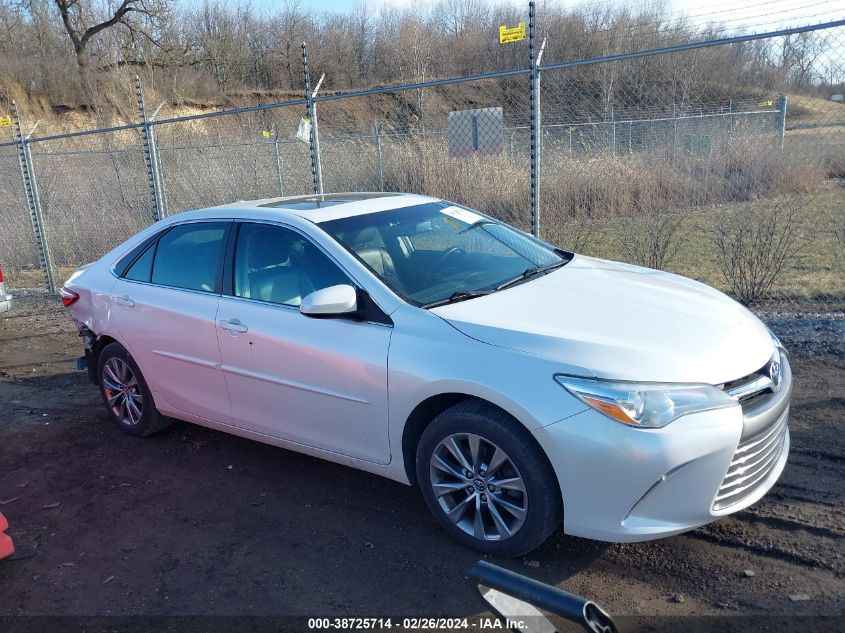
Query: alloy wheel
[478, 487]
[123, 393]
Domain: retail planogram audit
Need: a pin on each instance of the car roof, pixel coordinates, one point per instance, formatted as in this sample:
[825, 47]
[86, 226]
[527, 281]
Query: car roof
[321, 207]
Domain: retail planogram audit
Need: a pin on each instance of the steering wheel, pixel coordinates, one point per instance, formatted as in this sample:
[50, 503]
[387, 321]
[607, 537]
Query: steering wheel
[454, 250]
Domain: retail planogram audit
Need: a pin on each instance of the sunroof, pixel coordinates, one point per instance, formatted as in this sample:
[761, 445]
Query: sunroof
[306, 203]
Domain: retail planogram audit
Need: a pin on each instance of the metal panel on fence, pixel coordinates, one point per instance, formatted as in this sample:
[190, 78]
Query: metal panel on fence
[478, 132]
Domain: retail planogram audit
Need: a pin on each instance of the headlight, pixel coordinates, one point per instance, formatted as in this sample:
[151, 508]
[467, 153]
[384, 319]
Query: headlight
[645, 405]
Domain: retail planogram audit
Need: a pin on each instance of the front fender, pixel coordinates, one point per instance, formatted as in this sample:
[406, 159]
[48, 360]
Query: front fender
[428, 357]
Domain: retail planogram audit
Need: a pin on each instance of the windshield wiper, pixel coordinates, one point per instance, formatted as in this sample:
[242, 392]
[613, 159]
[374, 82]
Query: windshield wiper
[475, 225]
[528, 273]
[460, 295]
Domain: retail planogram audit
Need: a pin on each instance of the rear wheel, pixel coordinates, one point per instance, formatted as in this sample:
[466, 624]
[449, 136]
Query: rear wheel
[126, 394]
[487, 481]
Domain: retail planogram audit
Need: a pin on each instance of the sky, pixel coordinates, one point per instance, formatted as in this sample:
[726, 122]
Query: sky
[754, 15]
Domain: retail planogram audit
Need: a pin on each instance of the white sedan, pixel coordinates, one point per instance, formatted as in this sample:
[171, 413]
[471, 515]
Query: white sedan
[520, 386]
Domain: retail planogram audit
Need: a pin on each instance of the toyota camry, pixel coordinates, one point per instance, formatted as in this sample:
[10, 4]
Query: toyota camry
[521, 387]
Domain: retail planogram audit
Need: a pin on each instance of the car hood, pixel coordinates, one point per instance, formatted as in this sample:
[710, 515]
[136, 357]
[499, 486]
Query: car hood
[620, 321]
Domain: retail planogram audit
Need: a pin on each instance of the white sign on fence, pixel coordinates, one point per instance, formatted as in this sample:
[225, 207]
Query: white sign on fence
[304, 131]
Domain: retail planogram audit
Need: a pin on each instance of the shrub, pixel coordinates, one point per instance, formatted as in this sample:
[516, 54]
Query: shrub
[650, 241]
[753, 247]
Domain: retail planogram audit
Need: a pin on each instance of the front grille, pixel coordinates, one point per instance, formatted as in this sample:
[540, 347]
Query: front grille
[754, 460]
[748, 388]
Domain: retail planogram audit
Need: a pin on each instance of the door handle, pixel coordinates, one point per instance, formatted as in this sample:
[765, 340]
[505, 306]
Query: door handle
[233, 325]
[123, 301]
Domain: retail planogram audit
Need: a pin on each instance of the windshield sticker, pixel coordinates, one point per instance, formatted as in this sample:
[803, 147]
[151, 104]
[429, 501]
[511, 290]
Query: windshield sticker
[465, 216]
[455, 225]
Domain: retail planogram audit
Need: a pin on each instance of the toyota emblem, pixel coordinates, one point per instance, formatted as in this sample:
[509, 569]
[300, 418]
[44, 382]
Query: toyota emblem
[775, 374]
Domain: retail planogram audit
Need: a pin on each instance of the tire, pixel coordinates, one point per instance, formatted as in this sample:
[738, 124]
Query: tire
[125, 393]
[524, 506]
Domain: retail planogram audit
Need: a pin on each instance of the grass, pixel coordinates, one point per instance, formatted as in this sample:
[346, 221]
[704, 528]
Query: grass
[815, 274]
[802, 109]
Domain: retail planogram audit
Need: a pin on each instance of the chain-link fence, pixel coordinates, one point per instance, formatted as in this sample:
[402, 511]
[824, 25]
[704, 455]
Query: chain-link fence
[642, 157]
[92, 197]
[743, 192]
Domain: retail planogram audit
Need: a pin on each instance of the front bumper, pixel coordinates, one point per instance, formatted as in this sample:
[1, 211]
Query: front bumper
[622, 484]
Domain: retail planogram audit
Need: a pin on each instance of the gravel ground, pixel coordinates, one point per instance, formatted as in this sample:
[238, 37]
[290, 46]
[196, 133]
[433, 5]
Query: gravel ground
[809, 334]
[192, 521]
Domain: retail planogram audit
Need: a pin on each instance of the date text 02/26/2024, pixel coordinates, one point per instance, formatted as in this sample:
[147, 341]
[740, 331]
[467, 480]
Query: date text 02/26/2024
[414, 624]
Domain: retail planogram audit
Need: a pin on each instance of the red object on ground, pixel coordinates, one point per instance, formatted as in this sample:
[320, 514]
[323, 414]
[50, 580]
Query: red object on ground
[7, 548]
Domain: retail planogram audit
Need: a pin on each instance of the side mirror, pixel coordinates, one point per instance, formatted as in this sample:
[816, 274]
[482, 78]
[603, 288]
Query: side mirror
[331, 301]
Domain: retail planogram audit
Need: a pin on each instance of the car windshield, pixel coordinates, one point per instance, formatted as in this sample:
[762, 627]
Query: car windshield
[439, 252]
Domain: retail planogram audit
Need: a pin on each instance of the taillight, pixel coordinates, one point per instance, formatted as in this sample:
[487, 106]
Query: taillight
[1, 276]
[69, 297]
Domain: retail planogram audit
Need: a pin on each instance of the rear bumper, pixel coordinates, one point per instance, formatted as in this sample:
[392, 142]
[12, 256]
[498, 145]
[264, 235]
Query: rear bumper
[7, 548]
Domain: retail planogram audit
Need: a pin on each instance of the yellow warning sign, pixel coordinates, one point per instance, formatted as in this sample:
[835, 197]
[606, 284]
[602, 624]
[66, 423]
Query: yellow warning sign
[515, 34]
[5, 121]
[267, 133]
[766, 103]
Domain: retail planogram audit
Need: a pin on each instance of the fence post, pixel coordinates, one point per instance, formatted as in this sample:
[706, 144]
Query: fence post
[730, 119]
[165, 206]
[674, 132]
[535, 123]
[278, 158]
[420, 109]
[613, 131]
[150, 155]
[33, 200]
[162, 187]
[379, 164]
[316, 166]
[782, 120]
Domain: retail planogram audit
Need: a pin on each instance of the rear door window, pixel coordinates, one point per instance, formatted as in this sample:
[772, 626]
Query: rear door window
[189, 256]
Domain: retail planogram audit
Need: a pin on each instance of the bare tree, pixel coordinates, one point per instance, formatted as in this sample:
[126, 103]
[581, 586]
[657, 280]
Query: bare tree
[82, 21]
[216, 46]
[291, 25]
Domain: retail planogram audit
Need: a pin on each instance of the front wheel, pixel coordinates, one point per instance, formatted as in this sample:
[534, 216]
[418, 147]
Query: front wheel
[487, 481]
